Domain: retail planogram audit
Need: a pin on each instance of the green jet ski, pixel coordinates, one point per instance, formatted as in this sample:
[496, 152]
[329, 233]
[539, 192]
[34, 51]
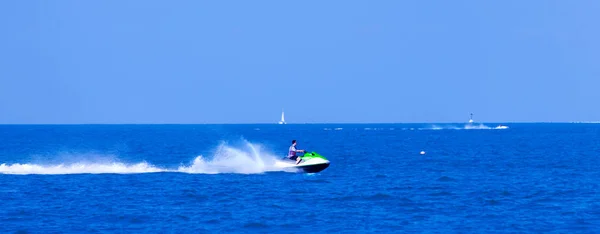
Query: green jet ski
[311, 162]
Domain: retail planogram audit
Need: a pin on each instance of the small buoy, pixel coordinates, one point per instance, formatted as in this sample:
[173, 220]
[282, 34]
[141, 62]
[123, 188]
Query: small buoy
[422, 152]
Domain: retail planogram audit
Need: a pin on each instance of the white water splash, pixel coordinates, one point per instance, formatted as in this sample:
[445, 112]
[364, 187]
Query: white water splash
[233, 160]
[227, 159]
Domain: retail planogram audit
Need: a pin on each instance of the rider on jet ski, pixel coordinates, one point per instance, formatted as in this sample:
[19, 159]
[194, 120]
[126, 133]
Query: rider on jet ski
[292, 152]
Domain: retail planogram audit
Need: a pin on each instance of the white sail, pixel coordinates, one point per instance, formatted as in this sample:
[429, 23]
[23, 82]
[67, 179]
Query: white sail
[282, 118]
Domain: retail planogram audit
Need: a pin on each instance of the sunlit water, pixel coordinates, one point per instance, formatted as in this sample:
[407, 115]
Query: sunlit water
[220, 178]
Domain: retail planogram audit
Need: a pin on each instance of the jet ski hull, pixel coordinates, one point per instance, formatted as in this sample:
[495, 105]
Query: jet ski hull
[311, 168]
[311, 163]
[314, 168]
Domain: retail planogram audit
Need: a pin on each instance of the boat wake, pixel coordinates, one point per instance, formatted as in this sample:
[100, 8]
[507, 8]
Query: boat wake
[250, 159]
[464, 127]
[78, 168]
[471, 125]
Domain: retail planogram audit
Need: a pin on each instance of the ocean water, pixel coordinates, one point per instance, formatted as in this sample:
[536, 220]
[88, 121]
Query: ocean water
[529, 178]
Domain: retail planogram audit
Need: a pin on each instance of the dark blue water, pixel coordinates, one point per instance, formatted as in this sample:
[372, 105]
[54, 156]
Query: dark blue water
[218, 178]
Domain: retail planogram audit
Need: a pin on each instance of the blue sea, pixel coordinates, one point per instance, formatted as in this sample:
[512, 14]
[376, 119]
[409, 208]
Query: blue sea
[529, 178]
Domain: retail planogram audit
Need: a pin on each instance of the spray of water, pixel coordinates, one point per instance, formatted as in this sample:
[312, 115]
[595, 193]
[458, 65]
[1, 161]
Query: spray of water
[248, 159]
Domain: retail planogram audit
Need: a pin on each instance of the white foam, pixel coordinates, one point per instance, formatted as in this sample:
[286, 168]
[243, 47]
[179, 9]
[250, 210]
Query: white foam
[78, 168]
[227, 159]
[465, 127]
[436, 127]
[480, 126]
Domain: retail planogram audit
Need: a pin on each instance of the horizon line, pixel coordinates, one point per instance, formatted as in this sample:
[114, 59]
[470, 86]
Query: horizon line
[316, 123]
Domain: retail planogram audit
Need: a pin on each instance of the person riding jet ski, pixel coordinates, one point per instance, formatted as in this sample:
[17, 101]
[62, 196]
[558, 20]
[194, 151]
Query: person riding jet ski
[292, 153]
[308, 162]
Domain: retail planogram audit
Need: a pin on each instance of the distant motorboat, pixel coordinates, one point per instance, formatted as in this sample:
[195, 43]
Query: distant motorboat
[502, 127]
[471, 126]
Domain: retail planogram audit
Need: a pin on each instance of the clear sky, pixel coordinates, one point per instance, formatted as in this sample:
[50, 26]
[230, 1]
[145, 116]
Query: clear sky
[146, 61]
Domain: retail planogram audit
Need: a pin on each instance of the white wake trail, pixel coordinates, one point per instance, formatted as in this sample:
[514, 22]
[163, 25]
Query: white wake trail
[248, 159]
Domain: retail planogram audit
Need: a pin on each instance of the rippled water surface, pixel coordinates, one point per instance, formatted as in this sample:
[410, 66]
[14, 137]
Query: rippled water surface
[220, 178]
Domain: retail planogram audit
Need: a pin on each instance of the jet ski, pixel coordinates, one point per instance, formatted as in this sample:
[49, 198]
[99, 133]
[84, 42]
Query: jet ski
[311, 162]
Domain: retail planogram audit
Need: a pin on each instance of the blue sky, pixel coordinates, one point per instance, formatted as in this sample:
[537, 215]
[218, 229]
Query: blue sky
[323, 61]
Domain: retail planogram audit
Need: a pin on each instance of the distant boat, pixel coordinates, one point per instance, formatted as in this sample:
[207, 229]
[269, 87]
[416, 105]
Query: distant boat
[502, 127]
[282, 121]
[484, 127]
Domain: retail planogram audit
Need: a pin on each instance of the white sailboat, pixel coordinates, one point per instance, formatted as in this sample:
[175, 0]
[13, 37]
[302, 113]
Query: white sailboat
[282, 121]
